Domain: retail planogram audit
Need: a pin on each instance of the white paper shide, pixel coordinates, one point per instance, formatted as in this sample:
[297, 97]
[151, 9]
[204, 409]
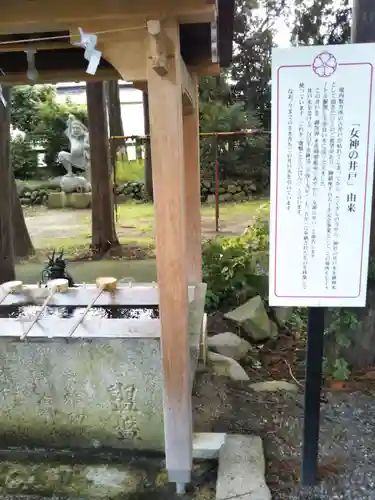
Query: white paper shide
[321, 174]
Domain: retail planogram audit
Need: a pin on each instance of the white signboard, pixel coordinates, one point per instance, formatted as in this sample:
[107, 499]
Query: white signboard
[321, 174]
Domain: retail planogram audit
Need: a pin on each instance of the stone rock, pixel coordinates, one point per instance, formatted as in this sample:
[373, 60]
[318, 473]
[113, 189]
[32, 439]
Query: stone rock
[226, 367]
[206, 445]
[122, 198]
[56, 200]
[211, 198]
[232, 189]
[79, 200]
[242, 469]
[283, 314]
[67, 480]
[75, 183]
[239, 196]
[274, 386]
[229, 344]
[225, 197]
[55, 182]
[252, 316]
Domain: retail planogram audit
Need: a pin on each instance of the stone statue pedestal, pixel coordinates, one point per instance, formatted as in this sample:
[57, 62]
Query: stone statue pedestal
[75, 184]
[69, 200]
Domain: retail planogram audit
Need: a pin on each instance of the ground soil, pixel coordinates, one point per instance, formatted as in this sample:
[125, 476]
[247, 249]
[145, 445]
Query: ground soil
[347, 455]
[48, 224]
[347, 421]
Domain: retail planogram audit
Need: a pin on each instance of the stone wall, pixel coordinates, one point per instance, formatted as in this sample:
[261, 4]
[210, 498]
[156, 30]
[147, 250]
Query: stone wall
[228, 191]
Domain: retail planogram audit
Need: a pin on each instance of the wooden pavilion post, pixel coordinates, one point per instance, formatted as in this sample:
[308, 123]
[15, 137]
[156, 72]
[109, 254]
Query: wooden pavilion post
[193, 189]
[167, 149]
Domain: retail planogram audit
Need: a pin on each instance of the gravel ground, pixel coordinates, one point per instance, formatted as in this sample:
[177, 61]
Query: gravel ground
[347, 451]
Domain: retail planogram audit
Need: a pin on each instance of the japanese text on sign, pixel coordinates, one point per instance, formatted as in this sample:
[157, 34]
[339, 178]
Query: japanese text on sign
[321, 175]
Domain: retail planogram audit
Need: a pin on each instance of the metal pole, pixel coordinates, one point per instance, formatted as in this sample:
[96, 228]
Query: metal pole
[314, 358]
[217, 182]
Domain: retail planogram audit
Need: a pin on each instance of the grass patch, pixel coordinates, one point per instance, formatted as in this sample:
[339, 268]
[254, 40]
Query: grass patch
[228, 211]
[138, 214]
[127, 171]
[33, 183]
[75, 247]
[140, 270]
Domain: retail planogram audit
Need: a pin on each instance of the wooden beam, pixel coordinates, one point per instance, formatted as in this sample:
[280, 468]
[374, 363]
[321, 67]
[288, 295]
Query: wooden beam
[20, 47]
[129, 59]
[141, 85]
[60, 76]
[188, 90]
[23, 16]
[205, 68]
[159, 47]
[170, 221]
[193, 189]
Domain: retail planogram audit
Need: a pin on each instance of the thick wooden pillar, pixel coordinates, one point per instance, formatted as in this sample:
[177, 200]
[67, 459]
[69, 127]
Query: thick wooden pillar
[192, 191]
[167, 149]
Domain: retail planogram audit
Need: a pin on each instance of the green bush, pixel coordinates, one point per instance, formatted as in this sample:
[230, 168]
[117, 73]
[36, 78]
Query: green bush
[236, 268]
[35, 112]
[24, 158]
[127, 171]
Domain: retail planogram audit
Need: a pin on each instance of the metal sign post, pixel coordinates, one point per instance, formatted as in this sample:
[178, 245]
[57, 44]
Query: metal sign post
[313, 382]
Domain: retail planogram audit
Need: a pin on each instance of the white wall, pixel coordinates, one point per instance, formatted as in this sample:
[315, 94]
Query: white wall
[130, 100]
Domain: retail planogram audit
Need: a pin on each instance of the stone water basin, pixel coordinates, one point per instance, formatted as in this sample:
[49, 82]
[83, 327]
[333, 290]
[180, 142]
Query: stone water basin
[87, 393]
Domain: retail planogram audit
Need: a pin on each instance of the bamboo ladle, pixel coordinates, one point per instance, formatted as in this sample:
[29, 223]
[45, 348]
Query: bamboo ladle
[11, 287]
[103, 285]
[59, 285]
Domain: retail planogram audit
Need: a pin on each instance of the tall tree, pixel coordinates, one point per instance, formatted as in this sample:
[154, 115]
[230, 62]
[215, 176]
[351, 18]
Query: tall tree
[147, 148]
[114, 116]
[103, 224]
[23, 246]
[253, 41]
[321, 22]
[7, 270]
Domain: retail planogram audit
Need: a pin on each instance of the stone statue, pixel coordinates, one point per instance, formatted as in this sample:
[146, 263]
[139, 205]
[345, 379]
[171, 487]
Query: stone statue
[79, 156]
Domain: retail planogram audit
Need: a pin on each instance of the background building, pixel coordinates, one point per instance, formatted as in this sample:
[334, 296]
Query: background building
[130, 100]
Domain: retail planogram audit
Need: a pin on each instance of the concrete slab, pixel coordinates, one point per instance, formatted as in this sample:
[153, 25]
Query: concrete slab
[207, 445]
[242, 469]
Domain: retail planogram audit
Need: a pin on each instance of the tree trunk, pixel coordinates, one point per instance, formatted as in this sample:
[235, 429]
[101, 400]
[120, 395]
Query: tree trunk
[7, 271]
[114, 116]
[148, 162]
[103, 224]
[23, 246]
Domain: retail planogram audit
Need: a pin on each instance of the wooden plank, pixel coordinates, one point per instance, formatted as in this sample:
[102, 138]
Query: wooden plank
[52, 327]
[81, 297]
[192, 189]
[165, 105]
[57, 76]
[188, 89]
[133, 66]
[22, 16]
